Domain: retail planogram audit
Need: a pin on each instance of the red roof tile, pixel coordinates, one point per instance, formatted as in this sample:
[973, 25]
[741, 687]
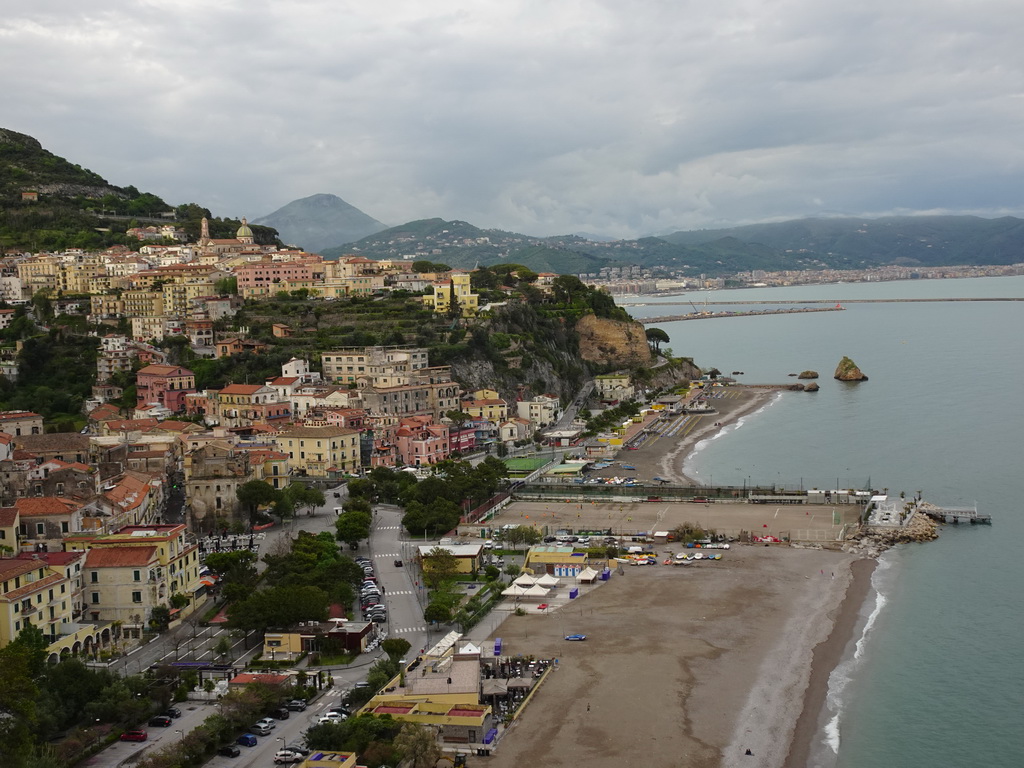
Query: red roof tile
[45, 505]
[119, 557]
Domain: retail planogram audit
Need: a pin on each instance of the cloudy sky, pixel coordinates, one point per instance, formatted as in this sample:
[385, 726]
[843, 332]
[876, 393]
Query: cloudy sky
[539, 116]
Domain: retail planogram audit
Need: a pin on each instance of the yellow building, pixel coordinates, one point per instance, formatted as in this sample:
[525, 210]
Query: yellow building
[320, 759]
[467, 556]
[456, 286]
[143, 303]
[320, 451]
[557, 561]
[440, 691]
[493, 409]
[130, 572]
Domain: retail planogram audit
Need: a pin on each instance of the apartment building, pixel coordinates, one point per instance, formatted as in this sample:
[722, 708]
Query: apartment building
[320, 451]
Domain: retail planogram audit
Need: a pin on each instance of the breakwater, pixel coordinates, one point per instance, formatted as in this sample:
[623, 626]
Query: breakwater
[751, 313]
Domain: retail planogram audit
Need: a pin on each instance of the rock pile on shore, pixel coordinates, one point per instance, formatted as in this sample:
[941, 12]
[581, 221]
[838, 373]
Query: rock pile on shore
[874, 541]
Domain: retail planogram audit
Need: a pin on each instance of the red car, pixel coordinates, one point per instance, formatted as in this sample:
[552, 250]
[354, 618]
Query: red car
[136, 735]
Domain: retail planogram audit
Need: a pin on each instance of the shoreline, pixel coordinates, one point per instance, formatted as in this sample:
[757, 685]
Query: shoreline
[826, 657]
[728, 414]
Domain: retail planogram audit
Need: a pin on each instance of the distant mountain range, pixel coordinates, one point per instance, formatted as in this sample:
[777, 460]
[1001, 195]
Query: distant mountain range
[321, 221]
[78, 208]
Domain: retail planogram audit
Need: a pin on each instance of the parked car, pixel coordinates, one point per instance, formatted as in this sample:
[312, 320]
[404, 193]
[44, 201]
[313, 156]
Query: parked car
[398, 563]
[281, 713]
[302, 749]
[575, 637]
[287, 756]
[173, 712]
[330, 717]
[261, 728]
[160, 721]
[136, 734]
[229, 750]
[247, 740]
[297, 705]
[378, 618]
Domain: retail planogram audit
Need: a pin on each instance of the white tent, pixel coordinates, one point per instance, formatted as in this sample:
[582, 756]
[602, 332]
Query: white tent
[547, 580]
[514, 591]
[536, 591]
[525, 580]
[588, 575]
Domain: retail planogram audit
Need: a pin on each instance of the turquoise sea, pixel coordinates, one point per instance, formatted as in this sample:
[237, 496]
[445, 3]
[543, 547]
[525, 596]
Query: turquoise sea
[935, 676]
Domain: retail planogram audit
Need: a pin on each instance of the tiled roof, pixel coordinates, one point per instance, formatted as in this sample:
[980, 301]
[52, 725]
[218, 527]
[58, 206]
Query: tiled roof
[8, 516]
[41, 506]
[119, 557]
[241, 389]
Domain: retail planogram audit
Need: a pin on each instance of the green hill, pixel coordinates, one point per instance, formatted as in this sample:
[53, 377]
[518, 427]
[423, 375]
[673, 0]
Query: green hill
[861, 243]
[73, 207]
[464, 246]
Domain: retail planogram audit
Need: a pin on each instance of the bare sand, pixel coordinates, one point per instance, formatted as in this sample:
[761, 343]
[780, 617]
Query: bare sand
[689, 665]
[683, 665]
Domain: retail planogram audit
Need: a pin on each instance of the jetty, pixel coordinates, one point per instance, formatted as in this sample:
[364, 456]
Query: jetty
[749, 313]
[956, 514]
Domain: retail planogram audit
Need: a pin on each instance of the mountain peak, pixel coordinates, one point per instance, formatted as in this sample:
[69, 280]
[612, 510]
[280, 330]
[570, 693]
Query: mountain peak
[320, 221]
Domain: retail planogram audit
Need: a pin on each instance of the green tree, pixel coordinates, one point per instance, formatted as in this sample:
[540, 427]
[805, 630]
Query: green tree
[353, 527]
[439, 567]
[656, 337]
[438, 612]
[395, 647]
[254, 494]
[418, 745]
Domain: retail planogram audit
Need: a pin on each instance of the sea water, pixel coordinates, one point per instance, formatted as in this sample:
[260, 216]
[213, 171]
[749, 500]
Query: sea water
[935, 674]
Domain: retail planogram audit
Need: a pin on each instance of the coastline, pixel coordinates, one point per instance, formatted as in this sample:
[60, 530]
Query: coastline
[730, 410]
[826, 657]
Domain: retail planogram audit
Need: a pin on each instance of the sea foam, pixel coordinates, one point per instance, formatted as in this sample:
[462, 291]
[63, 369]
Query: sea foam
[841, 676]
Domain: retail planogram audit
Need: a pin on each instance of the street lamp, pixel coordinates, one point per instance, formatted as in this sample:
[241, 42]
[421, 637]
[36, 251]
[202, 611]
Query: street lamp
[181, 734]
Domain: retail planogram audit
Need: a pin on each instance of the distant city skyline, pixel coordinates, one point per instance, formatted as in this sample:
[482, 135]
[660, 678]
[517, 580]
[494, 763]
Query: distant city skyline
[620, 120]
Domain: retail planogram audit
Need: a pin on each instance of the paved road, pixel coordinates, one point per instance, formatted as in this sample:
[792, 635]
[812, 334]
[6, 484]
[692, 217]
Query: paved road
[191, 642]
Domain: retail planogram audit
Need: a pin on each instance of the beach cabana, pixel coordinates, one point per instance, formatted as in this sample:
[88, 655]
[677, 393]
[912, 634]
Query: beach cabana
[536, 591]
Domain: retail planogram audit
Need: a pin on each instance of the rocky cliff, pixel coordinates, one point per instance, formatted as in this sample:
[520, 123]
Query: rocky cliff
[847, 370]
[612, 342]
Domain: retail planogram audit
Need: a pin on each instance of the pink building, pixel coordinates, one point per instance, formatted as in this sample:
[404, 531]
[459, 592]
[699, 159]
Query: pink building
[421, 443]
[165, 384]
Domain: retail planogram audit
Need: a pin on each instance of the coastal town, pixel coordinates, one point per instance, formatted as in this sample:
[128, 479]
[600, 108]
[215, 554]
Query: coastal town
[122, 539]
[131, 543]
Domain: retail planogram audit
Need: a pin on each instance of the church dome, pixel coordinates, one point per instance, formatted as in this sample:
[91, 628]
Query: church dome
[243, 231]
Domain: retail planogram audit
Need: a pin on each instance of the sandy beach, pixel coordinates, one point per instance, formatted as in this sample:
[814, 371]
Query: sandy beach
[688, 665]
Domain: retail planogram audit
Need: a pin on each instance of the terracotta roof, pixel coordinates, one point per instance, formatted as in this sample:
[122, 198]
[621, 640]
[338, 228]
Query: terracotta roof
[252, 677]
[8, 516]
[52, 558]
[35, 586]
[282, 381]
[41, 506]
[119, 557]
[12, 566]
[241, 389]
[15, 415]
[158, 369]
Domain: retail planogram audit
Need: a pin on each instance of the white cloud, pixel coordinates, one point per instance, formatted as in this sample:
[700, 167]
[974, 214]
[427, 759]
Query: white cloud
[623, 119]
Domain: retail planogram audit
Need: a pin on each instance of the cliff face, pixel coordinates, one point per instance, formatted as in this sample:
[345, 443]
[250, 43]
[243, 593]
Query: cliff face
[612, 342]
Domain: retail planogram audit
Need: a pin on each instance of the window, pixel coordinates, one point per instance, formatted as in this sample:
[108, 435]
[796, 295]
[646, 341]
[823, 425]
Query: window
[64, 527]
[95, 598]
[95, 577]
[40, 529]
[137, 575]
[136, 597]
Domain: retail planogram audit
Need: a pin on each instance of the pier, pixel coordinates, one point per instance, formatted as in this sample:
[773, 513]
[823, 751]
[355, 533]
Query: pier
[956, 515]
